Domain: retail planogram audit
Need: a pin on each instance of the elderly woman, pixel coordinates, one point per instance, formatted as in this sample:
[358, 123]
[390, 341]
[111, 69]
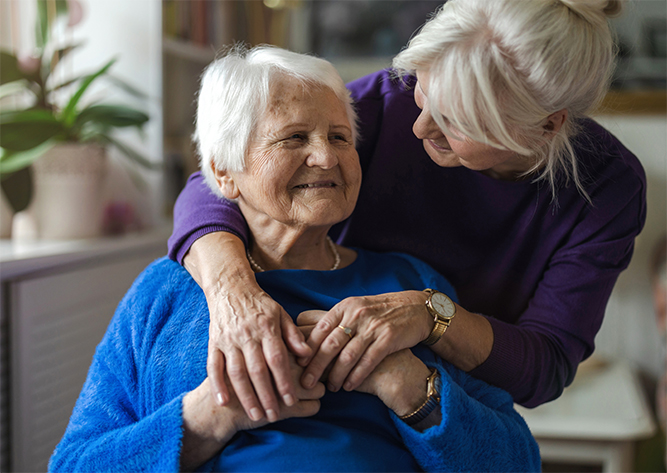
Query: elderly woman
[276, 132]
[481, 162]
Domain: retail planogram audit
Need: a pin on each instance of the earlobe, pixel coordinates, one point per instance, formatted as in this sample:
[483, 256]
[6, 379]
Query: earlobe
[226, 183]
[554, 123]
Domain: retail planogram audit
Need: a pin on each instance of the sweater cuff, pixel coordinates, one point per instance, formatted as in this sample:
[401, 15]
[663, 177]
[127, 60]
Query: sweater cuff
[499, 368]
[187, 243]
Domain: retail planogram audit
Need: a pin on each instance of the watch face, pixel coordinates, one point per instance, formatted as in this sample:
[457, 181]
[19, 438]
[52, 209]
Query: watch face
[443, 304]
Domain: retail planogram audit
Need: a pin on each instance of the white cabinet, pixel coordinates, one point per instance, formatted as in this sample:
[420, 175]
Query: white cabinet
[57, 300]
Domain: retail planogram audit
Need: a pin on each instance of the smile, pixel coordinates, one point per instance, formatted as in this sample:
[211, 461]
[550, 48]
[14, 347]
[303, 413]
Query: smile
[437, 147]
[316, 185]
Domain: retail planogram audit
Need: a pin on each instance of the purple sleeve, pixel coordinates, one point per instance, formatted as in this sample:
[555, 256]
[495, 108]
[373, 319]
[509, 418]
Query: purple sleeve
[199, 211]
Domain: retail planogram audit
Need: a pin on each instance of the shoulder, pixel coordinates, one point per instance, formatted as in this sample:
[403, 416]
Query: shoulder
[605, 159]
[159, 292]
[380, 85]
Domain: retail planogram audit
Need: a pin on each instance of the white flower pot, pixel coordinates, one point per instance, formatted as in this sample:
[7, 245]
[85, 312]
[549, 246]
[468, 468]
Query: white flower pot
[67, 200]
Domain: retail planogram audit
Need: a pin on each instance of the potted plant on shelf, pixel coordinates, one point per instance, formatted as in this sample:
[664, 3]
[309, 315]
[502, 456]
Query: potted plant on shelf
[56, 137]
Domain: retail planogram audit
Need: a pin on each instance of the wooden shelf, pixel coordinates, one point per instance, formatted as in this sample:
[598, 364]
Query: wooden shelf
[187, 50]
[635, 102]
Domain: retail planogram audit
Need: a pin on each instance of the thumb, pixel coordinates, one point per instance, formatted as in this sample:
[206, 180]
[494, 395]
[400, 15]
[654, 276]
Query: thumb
[294, 339]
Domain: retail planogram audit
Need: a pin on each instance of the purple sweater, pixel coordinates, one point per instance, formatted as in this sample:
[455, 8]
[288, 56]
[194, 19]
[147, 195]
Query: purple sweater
[541, 273]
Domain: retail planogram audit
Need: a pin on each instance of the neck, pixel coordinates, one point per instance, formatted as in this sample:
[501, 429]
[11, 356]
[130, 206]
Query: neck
[293, 250]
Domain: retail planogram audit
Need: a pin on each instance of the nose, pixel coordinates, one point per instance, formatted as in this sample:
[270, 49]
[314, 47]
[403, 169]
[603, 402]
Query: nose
[322, 155]
[425, 127]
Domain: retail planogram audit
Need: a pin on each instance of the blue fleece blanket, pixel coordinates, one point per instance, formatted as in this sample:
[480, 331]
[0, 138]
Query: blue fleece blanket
[128, 416]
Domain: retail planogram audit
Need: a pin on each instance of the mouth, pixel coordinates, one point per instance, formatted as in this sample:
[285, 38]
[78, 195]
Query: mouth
[316, 185]
[438, 147]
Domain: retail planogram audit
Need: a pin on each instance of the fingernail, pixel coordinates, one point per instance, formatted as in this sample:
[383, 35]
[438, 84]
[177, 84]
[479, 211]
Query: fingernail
[271, 415]
[309, 381]
[220, 400]
[288, 399]
[332, 388]
[255, 414]
[348, 386]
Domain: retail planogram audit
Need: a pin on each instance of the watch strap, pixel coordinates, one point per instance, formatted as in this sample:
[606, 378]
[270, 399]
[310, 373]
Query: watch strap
[432, 400]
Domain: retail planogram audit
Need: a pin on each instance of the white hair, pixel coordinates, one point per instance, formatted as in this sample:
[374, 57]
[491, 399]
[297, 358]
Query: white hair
[499, 68]
[234, 92]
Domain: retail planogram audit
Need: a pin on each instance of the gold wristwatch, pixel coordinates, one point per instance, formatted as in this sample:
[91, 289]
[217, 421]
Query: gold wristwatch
[432, 400]
[443, 310]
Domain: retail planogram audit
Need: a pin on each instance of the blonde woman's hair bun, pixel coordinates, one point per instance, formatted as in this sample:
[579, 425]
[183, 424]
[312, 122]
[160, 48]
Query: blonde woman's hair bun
[595, 10]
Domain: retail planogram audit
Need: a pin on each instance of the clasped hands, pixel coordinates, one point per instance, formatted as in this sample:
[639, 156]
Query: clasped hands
[253, 340]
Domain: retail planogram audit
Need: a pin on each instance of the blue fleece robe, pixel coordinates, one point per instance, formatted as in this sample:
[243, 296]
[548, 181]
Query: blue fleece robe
[129, 414]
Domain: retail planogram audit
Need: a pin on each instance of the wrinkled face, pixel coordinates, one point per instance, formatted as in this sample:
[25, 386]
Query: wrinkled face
[302, 168]
[457, 150]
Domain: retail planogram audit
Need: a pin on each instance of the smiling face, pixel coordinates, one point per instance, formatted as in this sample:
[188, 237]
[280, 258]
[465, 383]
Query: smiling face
[302, 169]
[451, 150]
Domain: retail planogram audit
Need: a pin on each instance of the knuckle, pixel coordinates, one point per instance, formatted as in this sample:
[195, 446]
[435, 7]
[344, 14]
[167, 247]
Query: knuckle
[256, 369]
[348, 356]
[275, 358]
[236, 371]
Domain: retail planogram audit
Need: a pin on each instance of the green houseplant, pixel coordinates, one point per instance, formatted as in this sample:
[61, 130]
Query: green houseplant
[45, 120]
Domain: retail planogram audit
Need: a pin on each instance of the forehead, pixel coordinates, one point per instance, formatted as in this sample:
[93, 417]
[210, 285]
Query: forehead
[288, 96]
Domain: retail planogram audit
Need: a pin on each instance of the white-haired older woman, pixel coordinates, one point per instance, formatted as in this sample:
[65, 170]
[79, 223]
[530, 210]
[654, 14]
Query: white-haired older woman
[294, 172]
[529, 207]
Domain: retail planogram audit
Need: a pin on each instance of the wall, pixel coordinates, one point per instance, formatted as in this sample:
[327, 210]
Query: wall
[629, 331]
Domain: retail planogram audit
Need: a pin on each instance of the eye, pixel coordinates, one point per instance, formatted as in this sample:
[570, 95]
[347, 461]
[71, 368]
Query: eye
[297, 136]
[339, 137]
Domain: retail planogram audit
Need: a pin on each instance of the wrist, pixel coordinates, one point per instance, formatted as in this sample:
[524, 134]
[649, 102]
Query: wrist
[411, 393]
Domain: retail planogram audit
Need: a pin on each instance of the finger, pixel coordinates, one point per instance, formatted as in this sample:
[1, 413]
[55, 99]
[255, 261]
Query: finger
[278, 360]
[310, 317]
[346, 361]
[238, 375]
[303, 409]
[329, 349]
[215, 367]
[293, 337]
[315, 393]
[368, 362]
[260, 376]
[322, 330]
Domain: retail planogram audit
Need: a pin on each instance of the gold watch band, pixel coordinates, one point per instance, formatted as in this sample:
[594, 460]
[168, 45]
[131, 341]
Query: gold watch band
[432, 400]
[436, 334]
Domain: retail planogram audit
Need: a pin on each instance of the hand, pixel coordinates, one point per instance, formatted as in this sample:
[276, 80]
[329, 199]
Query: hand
[207, 426]
[380, 325]
[249, 333]
[399, 381]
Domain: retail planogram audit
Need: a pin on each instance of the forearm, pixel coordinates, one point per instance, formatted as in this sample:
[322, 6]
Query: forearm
[217, 260]
[467, 342]
[479, 431]
[207, 428]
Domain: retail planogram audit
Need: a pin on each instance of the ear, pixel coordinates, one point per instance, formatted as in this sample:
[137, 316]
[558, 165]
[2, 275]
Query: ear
[554, 123]
[226, 183]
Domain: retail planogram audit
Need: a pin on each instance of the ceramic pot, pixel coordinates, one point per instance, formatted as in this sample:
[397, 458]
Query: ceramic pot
[67, 201]
[6, 216]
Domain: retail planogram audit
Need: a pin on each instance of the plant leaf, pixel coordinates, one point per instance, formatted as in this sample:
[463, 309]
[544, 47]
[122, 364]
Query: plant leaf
[69, 113]
[43, 20]
[12, 161]
[10, 71]
[120, 83]
[12, 88]
[56, 57]
[17, 187]
[132, 154]
[111, 115]
[25, 129]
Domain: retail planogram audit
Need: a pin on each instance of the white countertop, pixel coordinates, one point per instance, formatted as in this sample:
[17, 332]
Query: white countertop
[19, 258]
[605, 402]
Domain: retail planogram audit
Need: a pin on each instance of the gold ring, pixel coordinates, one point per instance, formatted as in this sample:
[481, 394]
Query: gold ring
[347, 330]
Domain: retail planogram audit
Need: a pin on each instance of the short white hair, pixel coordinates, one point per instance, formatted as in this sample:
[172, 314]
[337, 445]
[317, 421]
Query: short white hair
[234, 92]
[499, 68]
